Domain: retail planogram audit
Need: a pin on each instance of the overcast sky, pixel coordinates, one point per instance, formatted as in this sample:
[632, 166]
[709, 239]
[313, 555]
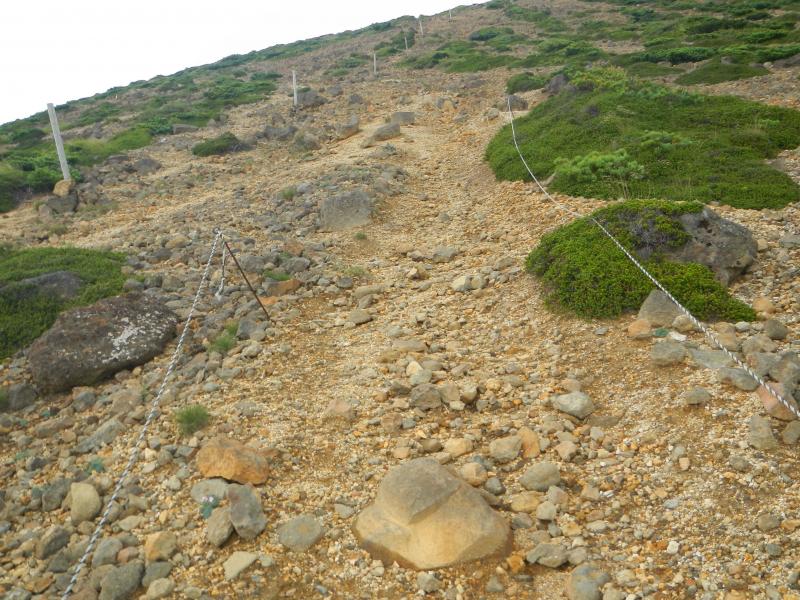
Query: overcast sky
[58, 51]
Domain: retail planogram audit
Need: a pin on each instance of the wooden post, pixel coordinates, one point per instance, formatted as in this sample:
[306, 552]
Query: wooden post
[294, 86]
[450, 12]
[62, 158]
[421, 32]
[375, 64]
[405, 39]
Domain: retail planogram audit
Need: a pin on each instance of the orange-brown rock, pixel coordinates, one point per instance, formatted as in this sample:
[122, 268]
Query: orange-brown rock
[232, 460]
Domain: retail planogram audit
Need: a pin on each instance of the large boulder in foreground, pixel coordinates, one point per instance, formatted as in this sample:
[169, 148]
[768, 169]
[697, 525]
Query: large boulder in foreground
[424, 517]
[90, 343]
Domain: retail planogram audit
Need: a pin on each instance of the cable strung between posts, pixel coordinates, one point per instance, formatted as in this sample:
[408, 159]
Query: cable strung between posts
[150, 416]
[792, 408]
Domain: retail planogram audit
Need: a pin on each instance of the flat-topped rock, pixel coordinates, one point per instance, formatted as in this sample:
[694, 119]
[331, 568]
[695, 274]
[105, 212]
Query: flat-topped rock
[230, 459]
[424, 517]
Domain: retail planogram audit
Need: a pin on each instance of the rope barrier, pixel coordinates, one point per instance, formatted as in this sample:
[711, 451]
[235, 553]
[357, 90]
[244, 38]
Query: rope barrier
[218, 236]
[792, 408]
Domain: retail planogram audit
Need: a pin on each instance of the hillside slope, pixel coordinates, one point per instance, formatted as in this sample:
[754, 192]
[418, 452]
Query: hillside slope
[670, 499]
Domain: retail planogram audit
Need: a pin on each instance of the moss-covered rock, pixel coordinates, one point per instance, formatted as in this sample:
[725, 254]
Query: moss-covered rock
[586, 273]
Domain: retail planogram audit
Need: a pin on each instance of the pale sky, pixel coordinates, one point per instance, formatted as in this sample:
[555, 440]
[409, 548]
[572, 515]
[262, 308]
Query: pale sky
[58, 51]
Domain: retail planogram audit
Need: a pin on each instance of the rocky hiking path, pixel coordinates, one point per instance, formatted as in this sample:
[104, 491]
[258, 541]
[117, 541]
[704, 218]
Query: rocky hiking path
[427, 340]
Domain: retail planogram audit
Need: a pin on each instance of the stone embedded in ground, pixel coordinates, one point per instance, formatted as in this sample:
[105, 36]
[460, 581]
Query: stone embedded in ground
[547, 555]
[121, 582]
[20, 395]
[739, 378]
[760, 434]
[640, 329]
[791, 433]
[300, 533]
[426, 518]
[218, 488]
[667, 353]
[160, 588]
[381, 134]
[586, 582]
[246, 512]
[84, 502]
[773, 406]
[696, 396]
[236, 563]
[541, 476]
[576, 404]
[53, 540]
[339, 409]
[403, 118]
[346, 210]
[775, 330]
[230, 459]
[505, 449]
[658, 309]
[160, 546]
[359, 316]
[219, 527]
[349, 128]
[106, 552]
[89, 343]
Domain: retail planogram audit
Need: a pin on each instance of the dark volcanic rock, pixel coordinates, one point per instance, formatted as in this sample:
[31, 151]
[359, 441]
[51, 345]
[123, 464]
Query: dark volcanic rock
[89, 343]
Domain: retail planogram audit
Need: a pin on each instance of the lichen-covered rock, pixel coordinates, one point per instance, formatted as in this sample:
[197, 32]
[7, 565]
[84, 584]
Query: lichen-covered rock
[93, 342]
[424, 517]
[346, 210]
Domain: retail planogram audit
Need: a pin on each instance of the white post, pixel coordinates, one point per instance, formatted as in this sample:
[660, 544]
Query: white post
[62, 158]
[405, 39]
[294, 86]
[375, 64]
[450, 11]
[421, 32]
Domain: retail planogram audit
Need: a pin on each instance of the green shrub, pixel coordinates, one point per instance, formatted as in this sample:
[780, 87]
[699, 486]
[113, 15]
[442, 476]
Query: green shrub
[459, 57]
[288, 192]
[677, 56]
[223, 144]
[730, 138]
[487, 33]
[648, 69]
[716, 71]
[24, 317]
[192, 419]
[524, 82]
[585, 273]
[226, 340]
[611, 168]
[88, 152]
[397, 44]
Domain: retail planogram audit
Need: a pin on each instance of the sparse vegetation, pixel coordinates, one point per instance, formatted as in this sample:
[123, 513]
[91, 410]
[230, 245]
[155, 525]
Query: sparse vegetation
[192, 419]
[226, 340]
[586, 274]
[25, 313]
[715, 151]
[277, 275]
[223, 144]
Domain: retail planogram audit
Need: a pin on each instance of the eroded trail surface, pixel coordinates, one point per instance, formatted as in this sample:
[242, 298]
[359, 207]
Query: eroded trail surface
[668, 499]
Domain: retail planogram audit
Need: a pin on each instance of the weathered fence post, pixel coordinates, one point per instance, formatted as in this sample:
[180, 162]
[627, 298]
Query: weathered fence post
[62, 158]
[421, 31]
[375, 64]
[294, 86]
[405, 39]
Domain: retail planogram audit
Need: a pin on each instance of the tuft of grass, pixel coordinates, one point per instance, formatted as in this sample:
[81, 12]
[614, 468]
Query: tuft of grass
[690, 147]
[276, 275]
[223, 144]
[289, 192]
[226, 340]
[192, 419]
[716, 71]
[586, 274]
[360, 236]
[25, 314]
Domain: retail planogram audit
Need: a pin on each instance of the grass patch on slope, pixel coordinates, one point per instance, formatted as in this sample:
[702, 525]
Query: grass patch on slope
[585, 273]
[619, 137]
[24, 317]
[223, 144]
[716, 71]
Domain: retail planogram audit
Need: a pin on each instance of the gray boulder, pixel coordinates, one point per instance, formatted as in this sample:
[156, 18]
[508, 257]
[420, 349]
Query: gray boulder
[146, 165]
[61, 205]
[382, 133]
[725, 247]
[305, 141]
[122, 582]
[63, 285]
[90, 343]
[586, 582]
[20, 395]
[658, 309]
[300, 533]
[350, 209]
[246, 512]
[349, 128]
[310, 99]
